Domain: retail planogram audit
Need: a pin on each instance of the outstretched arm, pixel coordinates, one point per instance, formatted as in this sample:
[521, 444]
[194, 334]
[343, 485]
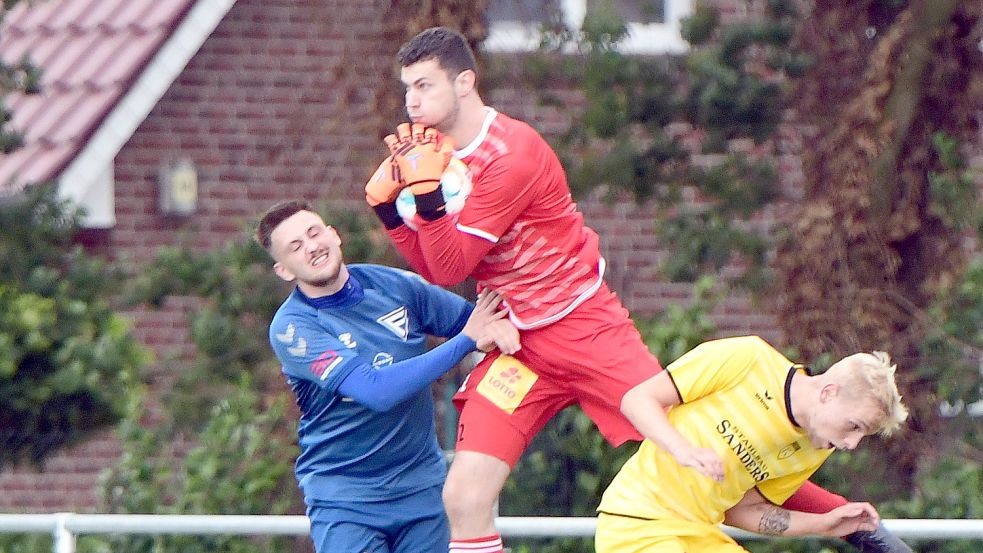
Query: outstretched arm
[756, 514]
[811, 498]
[382, 388]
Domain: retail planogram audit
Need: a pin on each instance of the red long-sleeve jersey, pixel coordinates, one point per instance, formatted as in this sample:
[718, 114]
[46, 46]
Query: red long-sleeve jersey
[519, 233]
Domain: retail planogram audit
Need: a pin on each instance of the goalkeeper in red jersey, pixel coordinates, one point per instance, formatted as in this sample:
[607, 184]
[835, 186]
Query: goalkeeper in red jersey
[519, 233]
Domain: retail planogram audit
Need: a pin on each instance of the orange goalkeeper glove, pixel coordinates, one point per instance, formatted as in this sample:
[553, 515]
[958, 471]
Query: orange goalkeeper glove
[421, 155]
[384, 185]
[381, 192]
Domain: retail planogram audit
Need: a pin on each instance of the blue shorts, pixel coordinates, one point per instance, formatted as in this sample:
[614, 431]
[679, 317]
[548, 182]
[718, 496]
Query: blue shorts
[412, 524]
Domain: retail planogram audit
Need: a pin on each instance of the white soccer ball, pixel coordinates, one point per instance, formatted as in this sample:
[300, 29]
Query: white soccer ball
[456, 185]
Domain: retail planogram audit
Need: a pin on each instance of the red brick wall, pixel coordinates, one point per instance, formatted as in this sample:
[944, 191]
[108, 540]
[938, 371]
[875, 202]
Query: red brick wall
[262, 110]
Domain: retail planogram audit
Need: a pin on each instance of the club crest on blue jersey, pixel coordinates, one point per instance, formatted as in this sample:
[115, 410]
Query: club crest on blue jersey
[397, 321]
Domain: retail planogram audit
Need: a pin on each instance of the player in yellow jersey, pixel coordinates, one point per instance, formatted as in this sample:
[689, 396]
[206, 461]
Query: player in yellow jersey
[746, 427]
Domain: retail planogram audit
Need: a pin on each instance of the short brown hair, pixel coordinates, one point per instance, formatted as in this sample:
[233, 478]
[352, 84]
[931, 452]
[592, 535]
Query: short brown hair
[276, 215]
[447, 46]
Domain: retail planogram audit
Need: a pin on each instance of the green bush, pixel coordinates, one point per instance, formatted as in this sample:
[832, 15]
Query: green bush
[236, 465]
[67, 361]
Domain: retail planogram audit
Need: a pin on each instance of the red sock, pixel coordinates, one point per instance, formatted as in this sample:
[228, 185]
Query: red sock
[487, 544]
[810, 498]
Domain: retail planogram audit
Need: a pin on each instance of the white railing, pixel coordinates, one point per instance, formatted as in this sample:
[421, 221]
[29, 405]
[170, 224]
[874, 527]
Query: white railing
[64, 527]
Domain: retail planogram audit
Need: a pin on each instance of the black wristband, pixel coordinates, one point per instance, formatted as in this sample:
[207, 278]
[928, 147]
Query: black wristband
[431, 206]
[388, 215]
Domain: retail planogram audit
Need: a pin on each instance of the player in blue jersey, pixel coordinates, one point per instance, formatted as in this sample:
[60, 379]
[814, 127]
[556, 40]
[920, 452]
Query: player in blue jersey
[352, 341]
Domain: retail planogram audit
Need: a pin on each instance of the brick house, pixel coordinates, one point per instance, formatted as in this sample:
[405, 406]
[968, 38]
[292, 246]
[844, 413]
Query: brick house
[250, 102]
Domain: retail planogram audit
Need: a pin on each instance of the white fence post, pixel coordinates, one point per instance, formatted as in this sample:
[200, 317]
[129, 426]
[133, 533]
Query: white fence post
[64, 538]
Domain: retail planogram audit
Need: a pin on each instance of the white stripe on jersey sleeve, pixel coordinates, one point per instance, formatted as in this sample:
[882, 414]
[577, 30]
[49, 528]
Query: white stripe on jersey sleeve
[479, 233]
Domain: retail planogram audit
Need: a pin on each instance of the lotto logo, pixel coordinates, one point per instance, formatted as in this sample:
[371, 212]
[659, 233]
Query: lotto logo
[504, 387]
[510, 375]
[506, 383]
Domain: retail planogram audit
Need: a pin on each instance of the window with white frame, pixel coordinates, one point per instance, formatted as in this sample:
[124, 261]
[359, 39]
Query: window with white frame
[653, 25]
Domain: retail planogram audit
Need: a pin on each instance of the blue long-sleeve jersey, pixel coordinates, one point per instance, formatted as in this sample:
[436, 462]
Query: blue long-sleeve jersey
[367, 340]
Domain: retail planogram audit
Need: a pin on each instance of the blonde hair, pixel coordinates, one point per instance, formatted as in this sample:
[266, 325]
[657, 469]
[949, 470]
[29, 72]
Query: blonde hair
[871, 375]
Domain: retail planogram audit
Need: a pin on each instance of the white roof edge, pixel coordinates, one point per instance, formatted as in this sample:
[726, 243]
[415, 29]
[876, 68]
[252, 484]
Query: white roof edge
[82, 172]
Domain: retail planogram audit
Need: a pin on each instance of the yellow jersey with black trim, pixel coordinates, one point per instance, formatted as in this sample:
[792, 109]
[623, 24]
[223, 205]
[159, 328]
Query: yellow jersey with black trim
[734, 394]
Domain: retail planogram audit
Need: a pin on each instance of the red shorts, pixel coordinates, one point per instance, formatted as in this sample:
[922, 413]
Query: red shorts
[591, 358]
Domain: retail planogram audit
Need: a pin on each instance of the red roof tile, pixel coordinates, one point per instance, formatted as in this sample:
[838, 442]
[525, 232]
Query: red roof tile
[68, 14]
[98, 13]
[88, 108]
[90, 52]
[53, 110]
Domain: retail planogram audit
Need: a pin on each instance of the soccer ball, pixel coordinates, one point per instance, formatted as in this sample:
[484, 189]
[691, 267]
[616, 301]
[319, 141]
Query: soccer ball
[456, 185]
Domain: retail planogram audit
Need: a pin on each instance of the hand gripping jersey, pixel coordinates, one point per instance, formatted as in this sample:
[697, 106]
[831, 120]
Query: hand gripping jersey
[347, 451]
[519, 232]
[735, 401]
